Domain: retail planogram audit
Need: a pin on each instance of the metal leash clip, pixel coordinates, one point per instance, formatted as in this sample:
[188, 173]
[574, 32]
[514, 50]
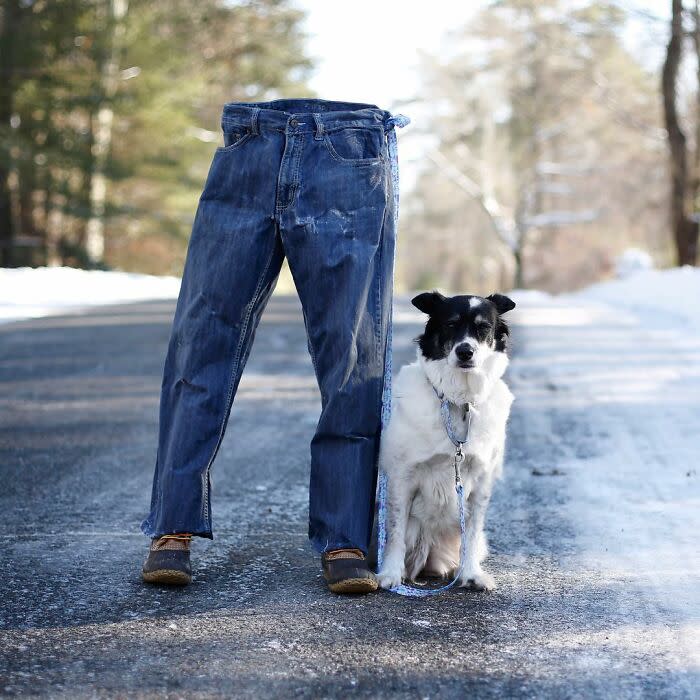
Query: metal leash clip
[459, 458]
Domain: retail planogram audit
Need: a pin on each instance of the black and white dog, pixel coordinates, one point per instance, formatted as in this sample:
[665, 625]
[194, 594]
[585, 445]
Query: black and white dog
[462, 355]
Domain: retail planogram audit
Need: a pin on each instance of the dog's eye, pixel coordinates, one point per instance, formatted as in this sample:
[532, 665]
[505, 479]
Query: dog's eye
[483, 328]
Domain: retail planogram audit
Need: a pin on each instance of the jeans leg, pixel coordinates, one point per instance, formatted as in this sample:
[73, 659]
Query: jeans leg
[232, 265]
[338, 240]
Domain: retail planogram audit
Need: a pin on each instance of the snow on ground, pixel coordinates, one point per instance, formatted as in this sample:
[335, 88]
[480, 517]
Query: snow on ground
[610, 380]
[662, 297]
[33, 292]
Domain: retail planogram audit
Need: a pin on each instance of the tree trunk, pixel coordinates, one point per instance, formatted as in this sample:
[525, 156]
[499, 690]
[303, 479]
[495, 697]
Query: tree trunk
[519, 276]
[685, 230]
[26, 237]
[9, 17]
[94, 236]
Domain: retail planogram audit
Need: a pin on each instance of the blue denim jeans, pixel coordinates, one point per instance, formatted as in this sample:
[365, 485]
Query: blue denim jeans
[310, 180]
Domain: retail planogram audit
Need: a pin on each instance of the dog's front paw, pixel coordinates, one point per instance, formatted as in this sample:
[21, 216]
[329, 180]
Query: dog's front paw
[389, 577]
[480, 581]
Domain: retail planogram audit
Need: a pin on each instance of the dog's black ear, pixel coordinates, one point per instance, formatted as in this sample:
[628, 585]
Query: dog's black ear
[428, 302]
[501, 302]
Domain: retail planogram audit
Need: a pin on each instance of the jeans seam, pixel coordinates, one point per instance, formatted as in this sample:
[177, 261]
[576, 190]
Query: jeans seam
[381, 295]
[232, 379]
[388, 288]
[381, 351]
[379, 304]
[310, 344]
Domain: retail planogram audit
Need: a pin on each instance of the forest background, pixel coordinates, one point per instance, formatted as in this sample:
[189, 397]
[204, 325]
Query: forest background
[549, 140]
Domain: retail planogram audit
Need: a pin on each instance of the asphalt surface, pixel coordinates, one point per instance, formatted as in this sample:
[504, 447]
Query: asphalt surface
[78, 423]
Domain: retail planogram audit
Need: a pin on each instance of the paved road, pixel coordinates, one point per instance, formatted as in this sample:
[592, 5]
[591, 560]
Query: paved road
[78, 409]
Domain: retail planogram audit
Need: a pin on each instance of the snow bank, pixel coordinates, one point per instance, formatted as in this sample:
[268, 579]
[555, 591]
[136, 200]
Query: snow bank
[31, 292]
[633, 260]
[662, 297]
[659, 298]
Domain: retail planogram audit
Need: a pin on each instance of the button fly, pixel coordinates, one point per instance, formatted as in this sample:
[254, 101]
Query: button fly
[288, 177]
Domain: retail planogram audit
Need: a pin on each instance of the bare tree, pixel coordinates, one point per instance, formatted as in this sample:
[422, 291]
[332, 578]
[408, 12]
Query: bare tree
[102, 130]
[684, 182]
[512, 228]
[512, 140]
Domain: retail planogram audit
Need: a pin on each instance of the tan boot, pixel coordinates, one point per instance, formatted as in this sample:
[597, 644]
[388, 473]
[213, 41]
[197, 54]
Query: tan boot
[347, 571]
[168, 560]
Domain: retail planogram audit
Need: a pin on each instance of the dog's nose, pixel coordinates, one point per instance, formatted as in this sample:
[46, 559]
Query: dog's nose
[464, 352]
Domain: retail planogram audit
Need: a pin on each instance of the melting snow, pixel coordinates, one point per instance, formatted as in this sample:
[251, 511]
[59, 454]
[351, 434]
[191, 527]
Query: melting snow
[31, 292]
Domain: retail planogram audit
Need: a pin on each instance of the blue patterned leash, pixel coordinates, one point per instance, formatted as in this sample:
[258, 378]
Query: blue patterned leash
[400, 121]
[458, 458]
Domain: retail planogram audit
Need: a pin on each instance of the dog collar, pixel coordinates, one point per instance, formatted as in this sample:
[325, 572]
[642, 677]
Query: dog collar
[447, 418]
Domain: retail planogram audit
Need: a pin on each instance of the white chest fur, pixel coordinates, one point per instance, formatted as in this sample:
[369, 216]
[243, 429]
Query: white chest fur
[417, 455]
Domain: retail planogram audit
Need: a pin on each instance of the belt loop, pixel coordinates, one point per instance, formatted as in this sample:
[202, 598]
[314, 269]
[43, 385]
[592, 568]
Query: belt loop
[254, 121]
[318, 134]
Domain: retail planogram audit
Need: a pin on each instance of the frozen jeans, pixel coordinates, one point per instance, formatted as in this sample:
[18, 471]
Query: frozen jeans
[312, 180]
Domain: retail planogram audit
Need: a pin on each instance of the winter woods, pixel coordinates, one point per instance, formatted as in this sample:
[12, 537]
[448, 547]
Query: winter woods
[549, 136]
[109, 113]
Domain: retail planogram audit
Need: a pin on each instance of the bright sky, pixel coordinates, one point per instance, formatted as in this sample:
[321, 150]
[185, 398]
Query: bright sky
[368, 51]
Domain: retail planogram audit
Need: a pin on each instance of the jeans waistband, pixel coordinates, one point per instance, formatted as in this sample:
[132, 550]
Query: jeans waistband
[304, 115]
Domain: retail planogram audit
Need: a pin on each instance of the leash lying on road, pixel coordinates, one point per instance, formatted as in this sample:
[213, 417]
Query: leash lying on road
[458, 458]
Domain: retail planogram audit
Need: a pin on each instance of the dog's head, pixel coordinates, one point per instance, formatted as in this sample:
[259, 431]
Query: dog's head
[463, 330]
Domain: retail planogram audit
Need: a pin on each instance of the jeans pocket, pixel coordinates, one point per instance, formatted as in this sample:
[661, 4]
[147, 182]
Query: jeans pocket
[356, 145]
[234, 137]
